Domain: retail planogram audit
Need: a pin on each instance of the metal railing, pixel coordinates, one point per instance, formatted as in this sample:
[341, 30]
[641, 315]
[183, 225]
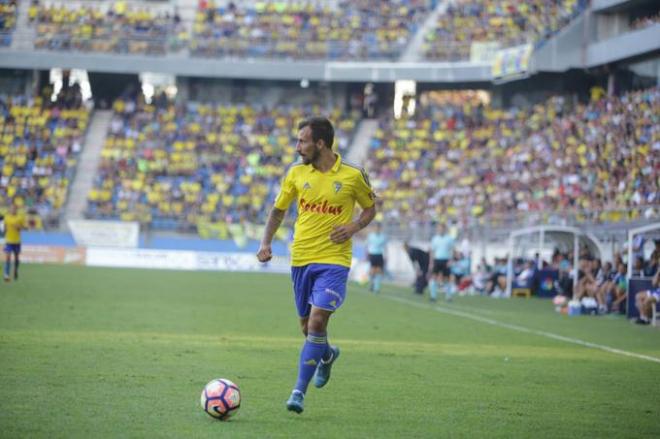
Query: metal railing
[500, 225]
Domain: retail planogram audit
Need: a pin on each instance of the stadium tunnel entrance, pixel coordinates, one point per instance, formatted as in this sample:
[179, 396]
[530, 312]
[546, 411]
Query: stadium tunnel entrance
[106, 87]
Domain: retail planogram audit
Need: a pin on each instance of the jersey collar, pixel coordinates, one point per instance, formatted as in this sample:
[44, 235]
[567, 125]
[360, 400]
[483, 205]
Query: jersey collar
[337, 164]
[335, 167]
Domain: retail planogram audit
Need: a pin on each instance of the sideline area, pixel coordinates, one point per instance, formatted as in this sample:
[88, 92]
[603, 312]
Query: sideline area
[475, 313]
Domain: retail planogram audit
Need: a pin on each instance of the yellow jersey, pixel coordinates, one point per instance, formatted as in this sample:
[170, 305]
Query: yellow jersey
[13, 226]
[325, 200]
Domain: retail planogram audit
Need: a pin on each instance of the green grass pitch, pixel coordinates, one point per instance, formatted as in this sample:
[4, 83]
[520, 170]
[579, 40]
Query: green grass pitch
[91, 352]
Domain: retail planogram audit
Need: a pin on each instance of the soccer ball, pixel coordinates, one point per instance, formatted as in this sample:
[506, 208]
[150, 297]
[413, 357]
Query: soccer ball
[221, 399]
[560, 302]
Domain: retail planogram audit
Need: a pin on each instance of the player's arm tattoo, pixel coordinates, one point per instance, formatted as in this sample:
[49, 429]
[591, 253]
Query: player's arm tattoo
[274, 220]
[366, 217]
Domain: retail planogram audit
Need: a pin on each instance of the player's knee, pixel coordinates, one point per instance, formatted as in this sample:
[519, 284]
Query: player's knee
[316, 324]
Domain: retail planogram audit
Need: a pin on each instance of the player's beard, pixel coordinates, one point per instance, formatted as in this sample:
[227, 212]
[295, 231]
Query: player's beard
[311, 158]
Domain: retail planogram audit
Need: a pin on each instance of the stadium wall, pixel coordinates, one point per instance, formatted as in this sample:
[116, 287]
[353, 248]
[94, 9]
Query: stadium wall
[167, 252]
[625, 46]
[608, 5]
[588, 41]
[564, 51]
[181, 65]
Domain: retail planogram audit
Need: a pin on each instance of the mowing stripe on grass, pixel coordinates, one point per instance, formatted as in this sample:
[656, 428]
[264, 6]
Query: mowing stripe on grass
[518, 328]
[15, 341]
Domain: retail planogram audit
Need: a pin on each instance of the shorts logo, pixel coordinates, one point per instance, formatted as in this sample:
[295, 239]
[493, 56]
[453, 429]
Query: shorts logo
[310, 362]
[337, 185]
[333, 293]
[333, 303]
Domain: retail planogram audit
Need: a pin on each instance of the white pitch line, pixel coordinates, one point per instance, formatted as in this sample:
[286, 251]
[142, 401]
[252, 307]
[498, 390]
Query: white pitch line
[525, 330]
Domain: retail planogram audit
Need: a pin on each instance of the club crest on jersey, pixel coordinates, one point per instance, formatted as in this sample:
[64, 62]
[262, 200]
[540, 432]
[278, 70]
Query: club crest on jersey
[307, 186]
[337, 185]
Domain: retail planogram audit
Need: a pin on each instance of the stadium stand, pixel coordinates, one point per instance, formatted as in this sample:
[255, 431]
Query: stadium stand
[192, 166]
[466, 161]
[334, 30]
[505, 23]
[40, 142]
[8, 12]
[108, 27]
[342, 30]
[338, 30]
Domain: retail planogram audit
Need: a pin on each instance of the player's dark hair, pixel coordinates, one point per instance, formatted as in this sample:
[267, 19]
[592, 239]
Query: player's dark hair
[322, 129]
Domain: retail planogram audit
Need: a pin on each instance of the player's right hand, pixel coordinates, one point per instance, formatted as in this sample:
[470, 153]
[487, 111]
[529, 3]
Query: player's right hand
[265, 253]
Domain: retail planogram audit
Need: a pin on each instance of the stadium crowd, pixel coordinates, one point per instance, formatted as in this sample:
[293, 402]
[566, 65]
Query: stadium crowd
[113, 27]
[40, 142]
[644, 22]
[312, 30]
[334, 30]
[466, 161]
[601, 286]
[8, 13]
[505, 23]
[183, 167]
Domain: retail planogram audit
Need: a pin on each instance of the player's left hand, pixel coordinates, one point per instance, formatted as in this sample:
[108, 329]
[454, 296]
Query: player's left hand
[265, 253]
[342, 233]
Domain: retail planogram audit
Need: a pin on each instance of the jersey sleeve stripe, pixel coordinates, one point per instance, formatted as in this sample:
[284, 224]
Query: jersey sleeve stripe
[361, 169]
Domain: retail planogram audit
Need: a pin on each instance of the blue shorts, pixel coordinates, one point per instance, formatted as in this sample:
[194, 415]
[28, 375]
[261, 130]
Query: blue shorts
[13, 248]
[321, 285]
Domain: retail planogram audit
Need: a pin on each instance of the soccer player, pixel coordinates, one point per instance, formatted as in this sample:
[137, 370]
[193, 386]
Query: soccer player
[442, 248]
[14, 223]
[325, 188]
[376, 242]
